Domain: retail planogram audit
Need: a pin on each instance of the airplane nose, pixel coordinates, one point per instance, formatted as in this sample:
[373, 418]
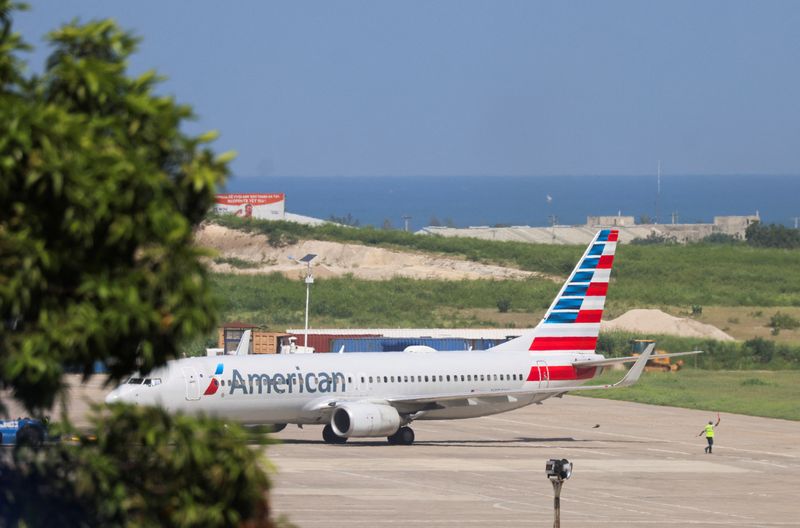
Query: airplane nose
[113, 396]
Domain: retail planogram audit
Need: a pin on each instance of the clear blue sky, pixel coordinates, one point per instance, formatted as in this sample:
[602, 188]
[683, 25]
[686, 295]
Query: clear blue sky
[473, 88]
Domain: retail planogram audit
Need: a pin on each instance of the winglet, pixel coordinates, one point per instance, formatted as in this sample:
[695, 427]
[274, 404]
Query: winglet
[636, 370]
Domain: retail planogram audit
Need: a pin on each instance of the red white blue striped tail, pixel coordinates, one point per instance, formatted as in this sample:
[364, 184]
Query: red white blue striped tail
[572, 323]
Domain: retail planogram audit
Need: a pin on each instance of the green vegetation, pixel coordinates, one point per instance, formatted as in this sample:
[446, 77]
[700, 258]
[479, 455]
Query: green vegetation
[754, 354]
[145, 468]
[772, 236]
[236, 262]
[654, 239]
[277, 301]
[772, 394]
[781, 321]
[99, 194]
[651, 275]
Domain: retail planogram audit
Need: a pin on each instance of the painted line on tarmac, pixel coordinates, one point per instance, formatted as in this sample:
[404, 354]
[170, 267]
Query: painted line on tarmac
[668, 451]
[636, 437]
[769, 463]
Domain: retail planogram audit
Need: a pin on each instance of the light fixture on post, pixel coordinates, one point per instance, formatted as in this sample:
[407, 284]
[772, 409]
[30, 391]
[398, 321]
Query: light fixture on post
[309, 280]
[557, 471]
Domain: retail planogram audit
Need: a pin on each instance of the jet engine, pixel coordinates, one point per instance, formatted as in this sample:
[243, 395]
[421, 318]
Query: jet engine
[364, 419]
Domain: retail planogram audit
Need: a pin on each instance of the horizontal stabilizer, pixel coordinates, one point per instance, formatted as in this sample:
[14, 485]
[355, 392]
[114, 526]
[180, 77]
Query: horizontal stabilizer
[629, 359]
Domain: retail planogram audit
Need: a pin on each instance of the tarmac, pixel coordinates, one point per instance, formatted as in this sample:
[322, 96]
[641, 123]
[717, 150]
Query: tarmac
[635, 465]
[644, 465]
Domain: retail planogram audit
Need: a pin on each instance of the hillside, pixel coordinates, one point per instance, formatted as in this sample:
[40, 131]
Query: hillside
[251, 253]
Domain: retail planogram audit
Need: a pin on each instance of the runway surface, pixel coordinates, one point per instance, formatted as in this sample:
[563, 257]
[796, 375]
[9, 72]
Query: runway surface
[644, 466]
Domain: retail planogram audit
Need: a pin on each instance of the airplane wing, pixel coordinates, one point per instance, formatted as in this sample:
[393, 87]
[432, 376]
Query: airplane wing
[429, 401]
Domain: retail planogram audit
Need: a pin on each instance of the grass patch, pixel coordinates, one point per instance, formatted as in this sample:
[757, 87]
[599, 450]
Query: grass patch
[276, 301]
[772, 394]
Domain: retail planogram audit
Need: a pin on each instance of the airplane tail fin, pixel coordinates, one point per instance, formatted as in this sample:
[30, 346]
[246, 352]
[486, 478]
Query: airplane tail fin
[244, 344]
[572, 323]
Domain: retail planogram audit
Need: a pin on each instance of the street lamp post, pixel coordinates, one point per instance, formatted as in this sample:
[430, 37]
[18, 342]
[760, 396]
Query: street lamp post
[309, 280]
[558, 471]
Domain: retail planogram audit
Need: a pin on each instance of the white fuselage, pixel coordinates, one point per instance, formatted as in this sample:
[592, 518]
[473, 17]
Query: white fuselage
[298, 388]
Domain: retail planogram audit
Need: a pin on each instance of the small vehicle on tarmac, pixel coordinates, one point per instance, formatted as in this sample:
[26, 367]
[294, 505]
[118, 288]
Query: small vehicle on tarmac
[23, 431]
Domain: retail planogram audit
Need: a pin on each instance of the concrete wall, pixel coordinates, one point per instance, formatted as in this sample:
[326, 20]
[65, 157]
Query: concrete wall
[729, 225]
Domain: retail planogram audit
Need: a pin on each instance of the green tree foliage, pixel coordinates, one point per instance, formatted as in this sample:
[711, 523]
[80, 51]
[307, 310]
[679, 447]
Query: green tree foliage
[99, 192]
[145, 468]
[654, 238]
[721, 238]
[773, 236]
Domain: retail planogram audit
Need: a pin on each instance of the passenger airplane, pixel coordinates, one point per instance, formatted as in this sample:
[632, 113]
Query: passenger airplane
[380, 394]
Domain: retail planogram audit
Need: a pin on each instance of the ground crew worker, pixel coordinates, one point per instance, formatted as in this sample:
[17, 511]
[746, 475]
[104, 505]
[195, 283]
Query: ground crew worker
[708, 430]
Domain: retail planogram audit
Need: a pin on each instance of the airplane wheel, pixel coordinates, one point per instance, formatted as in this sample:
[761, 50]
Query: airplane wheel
[404, 436]
[276, 428]
[330, 437]
[392, 439]
[30, 436]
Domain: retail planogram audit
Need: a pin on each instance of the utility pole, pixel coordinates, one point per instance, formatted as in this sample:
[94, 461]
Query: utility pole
[658, 189]
[796, 219]
[406, 218]
[553, 220]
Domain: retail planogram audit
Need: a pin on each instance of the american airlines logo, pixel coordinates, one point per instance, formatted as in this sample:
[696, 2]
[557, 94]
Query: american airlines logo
[299, 382]
[213, 385]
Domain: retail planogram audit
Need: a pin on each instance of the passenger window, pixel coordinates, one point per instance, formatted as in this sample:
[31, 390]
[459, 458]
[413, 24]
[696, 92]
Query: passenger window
[426, 378]
[349, 379]
[441, 378]
[462, 377]
[385, 379]
[362, 379]
[495, 377]
[370, 379]
[520, 377]
[501, 377]
[405, 379]
[469, 377]
[448, 377]
[392, 379]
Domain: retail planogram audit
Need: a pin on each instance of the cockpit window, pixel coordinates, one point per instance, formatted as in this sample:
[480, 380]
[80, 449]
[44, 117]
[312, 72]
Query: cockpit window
[152, 382]
[136, 381]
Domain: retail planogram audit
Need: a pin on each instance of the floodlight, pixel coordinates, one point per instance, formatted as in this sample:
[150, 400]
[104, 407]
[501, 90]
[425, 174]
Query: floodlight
[558, 469]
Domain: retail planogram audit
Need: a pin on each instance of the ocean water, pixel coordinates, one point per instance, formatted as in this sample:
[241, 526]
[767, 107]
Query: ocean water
[490, 200]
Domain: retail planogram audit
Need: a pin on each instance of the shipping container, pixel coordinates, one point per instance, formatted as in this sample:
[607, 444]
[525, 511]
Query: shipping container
[266, 342]
[322, 342]
[397, 344]
[230, 334]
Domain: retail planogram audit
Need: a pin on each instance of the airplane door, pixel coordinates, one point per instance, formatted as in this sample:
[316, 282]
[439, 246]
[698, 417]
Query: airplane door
[544, 374]
[192, 386]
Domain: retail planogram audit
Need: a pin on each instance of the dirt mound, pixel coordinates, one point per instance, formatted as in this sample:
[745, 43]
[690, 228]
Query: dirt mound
[336, 259]
[658, 322]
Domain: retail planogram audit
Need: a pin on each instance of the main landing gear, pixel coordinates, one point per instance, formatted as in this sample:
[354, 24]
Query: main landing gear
[403, 436]
[330, 437]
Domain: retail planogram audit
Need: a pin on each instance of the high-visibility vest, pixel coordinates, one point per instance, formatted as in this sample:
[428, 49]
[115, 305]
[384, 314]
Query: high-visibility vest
[709, 431]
